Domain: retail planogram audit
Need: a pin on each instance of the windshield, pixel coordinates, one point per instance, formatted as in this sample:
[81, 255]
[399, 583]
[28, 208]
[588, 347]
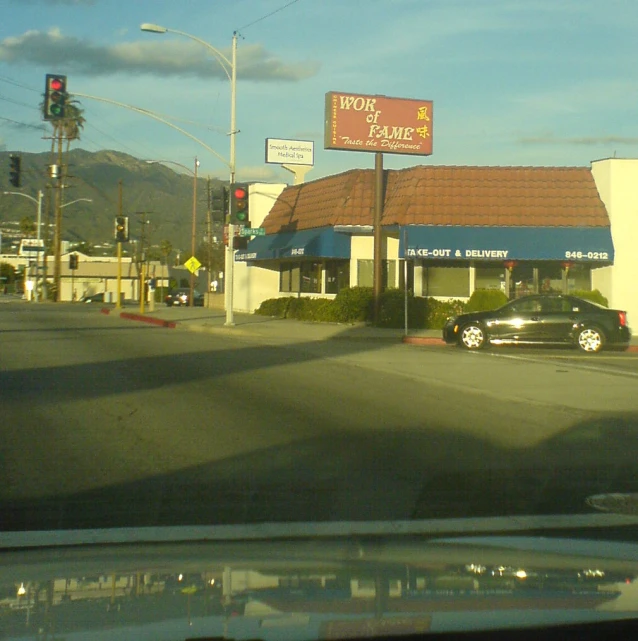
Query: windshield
[278, 211]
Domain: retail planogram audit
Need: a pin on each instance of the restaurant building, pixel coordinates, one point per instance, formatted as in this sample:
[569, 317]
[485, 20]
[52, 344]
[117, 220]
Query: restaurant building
[457, 229]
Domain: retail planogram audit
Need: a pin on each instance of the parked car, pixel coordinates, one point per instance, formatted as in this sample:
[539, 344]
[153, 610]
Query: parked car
[93, 298]
[544, 320]
[181, 296]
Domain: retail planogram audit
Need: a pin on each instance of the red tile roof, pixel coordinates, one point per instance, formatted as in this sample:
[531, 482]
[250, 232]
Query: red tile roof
[439, 195]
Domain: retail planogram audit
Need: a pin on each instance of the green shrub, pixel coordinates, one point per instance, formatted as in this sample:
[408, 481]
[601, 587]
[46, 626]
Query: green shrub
[353, 305]
[392, 308]
[438, 311]
[277, 307]
[595, 296]
[486, 300]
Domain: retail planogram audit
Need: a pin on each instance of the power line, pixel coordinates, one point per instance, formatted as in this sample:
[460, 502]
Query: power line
[272, 13]
[24, 124]
[17, 102]
[10, 81]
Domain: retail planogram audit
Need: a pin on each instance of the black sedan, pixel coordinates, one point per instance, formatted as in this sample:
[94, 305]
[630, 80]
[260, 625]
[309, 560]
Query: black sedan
[181, 296]
[541, 320]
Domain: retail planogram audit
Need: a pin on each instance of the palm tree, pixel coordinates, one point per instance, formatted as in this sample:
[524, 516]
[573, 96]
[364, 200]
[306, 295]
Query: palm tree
[72, 123]
[68, 127]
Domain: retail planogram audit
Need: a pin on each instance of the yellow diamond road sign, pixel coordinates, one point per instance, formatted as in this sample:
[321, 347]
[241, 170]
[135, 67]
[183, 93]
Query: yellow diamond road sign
[192, 264]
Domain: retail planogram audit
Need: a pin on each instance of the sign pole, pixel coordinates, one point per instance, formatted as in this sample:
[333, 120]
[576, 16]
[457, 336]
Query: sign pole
[378, 212]
[228, 281]
[405, 277]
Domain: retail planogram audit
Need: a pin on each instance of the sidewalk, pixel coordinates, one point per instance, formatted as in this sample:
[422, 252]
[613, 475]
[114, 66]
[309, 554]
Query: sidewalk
[199, 319]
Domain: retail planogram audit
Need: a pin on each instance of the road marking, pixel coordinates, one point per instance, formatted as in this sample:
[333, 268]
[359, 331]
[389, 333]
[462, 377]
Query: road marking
[598, 370]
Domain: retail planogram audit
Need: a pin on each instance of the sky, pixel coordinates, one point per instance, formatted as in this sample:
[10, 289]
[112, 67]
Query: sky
[513, 82]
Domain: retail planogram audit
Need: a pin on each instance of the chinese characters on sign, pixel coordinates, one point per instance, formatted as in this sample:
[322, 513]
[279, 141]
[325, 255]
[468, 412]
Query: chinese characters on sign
[378, 123]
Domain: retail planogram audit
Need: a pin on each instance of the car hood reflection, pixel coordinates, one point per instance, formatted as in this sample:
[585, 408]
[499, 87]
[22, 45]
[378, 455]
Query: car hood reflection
[312, 588]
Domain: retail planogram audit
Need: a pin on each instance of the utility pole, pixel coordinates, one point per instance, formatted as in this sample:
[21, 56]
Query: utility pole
[118, 302]
[57, 242]
[191, 301]
[143, 223]
[209, 240]
[47, 237]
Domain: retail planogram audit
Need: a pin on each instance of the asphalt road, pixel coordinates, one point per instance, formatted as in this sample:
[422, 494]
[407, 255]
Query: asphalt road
[107, 422]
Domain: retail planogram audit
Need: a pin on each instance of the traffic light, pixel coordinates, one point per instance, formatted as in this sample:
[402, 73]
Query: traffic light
[73, 261]
[224, 203]
[121, 229]
[239, 204]
[55, 97]
[14, 170]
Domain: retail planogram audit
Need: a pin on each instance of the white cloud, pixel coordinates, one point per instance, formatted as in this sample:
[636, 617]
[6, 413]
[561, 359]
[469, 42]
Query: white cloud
[159, 57]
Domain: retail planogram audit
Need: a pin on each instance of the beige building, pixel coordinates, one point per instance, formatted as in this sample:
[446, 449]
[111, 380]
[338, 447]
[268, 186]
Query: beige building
[94, 275]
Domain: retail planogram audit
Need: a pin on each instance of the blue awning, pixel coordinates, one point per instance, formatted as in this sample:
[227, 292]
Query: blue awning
[309, 243]
[578, 244]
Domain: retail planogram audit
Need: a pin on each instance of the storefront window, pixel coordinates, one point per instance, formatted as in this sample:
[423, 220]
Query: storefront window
[490, 276]
[522, 282]
[446, 280]
[311, 278]
[289, 277]
[550, 278]
[579, 277]
[337, 276]
[365, 273]
[389, 274]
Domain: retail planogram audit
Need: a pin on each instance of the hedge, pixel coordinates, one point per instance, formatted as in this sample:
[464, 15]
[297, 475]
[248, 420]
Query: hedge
[595, 296]
[355, 305]
[485, 300]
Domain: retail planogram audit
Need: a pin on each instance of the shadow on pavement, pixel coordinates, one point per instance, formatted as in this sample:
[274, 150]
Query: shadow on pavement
[414, 473]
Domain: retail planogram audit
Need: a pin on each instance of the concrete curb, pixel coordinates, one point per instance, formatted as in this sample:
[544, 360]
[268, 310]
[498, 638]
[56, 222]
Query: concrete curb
[142, 319]
[422, 340]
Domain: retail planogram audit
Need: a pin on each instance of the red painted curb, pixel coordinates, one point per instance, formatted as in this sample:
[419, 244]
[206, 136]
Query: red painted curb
[423, 340]
[105, 310]
[149, 319]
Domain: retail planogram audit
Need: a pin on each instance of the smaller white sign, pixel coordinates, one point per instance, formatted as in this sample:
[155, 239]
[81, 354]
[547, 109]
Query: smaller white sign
[290, 152]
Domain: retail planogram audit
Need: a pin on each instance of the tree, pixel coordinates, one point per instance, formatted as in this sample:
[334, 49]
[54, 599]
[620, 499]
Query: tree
[28, 227]
[73, 123]
[84, 247]
[7, 274]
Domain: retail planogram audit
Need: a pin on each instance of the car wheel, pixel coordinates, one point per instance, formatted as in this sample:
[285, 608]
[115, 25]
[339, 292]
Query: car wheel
[590, 340]
[472, 336]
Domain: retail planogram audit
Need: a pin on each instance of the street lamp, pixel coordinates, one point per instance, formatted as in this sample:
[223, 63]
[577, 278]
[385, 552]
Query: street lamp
[38, 202]
[77, 200]
[230, 68]
[193, 172]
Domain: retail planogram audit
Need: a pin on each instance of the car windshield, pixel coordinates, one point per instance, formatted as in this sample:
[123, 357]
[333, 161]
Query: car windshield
[352, 264]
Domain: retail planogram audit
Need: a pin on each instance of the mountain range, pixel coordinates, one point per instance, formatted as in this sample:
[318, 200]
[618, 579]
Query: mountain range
[164, 195]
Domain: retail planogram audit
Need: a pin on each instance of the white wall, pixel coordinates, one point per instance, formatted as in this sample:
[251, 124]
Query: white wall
[253, 285]
[617, 180]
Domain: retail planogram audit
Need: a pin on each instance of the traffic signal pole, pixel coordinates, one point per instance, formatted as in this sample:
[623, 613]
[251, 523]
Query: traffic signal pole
[230, 254]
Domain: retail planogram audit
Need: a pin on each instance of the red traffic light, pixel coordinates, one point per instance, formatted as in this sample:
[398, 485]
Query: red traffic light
[240, 193]
[56, 84]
